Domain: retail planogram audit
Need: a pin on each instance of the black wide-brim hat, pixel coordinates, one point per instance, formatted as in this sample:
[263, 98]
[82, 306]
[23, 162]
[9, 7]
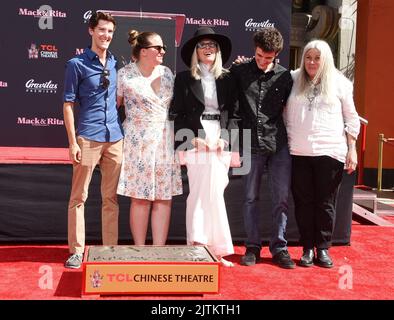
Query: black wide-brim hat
[208, 33]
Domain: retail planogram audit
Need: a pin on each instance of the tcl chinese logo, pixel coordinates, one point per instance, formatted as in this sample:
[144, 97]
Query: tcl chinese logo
[45, 51]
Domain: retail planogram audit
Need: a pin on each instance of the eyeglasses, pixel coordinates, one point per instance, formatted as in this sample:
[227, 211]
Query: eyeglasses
[207, 45]
[104, 80]
[158, 48]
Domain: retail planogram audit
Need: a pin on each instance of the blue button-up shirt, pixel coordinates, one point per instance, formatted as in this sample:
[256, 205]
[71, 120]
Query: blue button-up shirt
[98, 118]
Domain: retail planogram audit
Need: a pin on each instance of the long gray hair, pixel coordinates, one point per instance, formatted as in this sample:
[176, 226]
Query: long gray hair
[326, 74]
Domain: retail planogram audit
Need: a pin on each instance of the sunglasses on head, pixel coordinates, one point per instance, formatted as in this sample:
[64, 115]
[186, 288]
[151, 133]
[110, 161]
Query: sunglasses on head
[206, 45]
[158, 48]
[104, 80]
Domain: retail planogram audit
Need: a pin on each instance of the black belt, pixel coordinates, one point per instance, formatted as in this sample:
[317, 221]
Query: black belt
[210, 116]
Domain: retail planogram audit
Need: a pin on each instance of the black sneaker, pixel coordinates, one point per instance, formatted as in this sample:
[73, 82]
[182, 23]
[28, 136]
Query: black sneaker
[74, 261]
[251, 257]
[283, 260]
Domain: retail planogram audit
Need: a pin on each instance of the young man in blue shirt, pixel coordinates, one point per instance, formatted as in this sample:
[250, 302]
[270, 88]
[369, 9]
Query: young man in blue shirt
[98, 137]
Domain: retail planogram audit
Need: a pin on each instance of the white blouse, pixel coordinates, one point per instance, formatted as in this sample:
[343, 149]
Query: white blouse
[211, 127]
[208, 83]
[319, 128]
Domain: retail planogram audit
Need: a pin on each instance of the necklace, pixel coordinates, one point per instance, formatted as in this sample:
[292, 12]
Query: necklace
[311, 95]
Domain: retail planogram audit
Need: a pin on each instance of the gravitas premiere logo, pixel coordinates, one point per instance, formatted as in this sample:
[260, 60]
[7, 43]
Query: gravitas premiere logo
[87, 15]
[251, 25]
[45, 87]
[45, 51]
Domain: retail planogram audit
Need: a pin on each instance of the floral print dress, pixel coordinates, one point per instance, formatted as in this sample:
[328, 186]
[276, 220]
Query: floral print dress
[149, 170]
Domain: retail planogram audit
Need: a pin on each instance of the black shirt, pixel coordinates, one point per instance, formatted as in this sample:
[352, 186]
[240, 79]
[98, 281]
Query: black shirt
[262, 97]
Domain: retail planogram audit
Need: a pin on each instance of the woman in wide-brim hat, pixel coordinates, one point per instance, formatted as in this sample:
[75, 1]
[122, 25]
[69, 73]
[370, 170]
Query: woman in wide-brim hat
[224, 44]
[206, 102]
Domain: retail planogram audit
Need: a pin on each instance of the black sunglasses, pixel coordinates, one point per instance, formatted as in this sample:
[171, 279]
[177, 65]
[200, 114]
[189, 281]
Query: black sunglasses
[104, 80]
[207, 45]
[158, 48]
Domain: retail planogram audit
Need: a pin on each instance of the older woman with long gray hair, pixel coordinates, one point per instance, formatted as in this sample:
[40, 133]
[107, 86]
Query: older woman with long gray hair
[322, 126]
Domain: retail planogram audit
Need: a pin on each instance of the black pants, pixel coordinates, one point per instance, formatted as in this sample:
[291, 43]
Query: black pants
[315, 184]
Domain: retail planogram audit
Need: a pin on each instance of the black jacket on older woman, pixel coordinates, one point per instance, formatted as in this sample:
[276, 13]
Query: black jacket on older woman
[188, 105]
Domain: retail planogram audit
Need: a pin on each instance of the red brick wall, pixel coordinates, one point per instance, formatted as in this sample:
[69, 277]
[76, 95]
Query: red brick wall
[374, 76]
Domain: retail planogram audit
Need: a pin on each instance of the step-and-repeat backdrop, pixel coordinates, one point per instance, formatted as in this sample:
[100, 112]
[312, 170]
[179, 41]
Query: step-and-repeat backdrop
[38, 37]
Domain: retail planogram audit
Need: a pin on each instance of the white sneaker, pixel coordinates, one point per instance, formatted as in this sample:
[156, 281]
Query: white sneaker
[74, 261]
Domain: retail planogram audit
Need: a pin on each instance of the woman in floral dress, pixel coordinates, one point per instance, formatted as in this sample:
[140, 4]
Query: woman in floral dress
[149, 174]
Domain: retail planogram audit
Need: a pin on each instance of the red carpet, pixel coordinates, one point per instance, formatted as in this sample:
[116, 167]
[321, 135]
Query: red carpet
[367, 265]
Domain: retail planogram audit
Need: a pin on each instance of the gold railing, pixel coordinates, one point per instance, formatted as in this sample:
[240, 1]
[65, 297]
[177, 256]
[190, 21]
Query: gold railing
[382, 140]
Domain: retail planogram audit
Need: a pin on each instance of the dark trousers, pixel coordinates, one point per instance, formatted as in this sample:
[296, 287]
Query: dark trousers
[315, 184]
[279, 177]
